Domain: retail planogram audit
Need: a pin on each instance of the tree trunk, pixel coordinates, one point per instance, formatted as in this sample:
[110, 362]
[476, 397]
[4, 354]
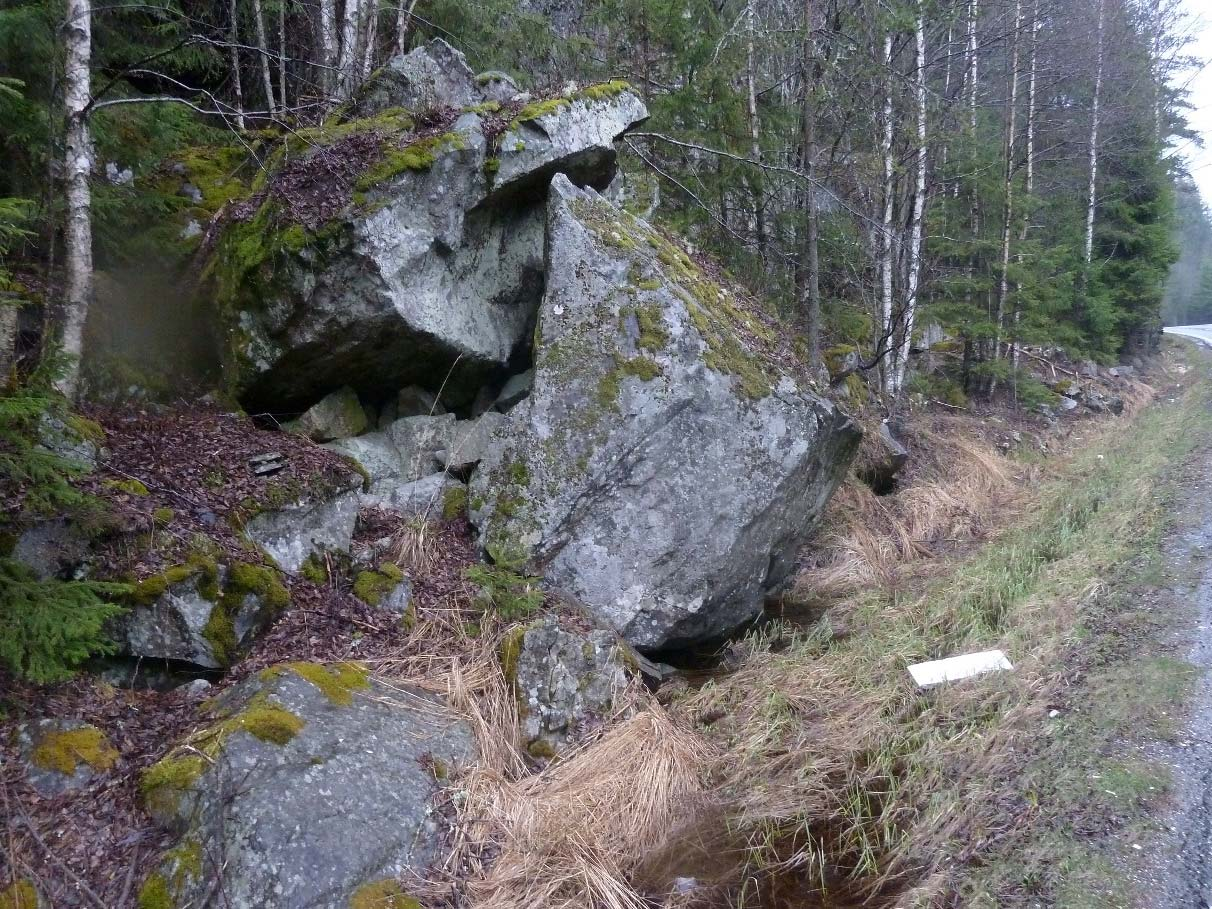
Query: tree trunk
[370, 38]
[1003, 287]
[1095, 123]
[347, 62]
[810, 291]
[403, 24]
[235, 65]
[917, 225]
[1029, 183]
[328, 43]
[755, 181]
[78, 166]
[282, 53]
[886, 252]
[263, 54]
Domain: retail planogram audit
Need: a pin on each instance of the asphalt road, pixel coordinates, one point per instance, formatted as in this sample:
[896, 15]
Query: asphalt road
[1198, 332]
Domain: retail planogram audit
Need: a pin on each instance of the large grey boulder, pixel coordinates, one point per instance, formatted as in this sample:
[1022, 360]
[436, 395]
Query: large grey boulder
[310, 789]
[432, 76]
[432, 273]
[663, 470]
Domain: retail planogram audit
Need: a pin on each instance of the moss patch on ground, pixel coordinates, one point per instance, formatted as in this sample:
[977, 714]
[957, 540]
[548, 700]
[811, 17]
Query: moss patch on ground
[371, 587]
[384, 894]
[63, 751]
[19, 895]
[416, 156]
[337, 681]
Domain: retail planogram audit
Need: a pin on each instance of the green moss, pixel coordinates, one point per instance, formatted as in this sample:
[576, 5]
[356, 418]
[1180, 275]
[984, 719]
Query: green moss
[19, 895]
[835, 357]
[154, 893]
[243, 580]
[337, 681]
[541, 749]
[644, 368]
[130, 486]
[259, 580]
[651, 324]
[267, 722]
[454, 502]
[163, 516]
[213, 170]
[536, 109]
[384, 894]
[488, 107]
[518, 472]
[164, 782]
[314, 569]
[372, 586]
[491, 167]
[603, 91]
[186, 860]
[510, 651]
[607, 393]
[419, 155]
[64, 750]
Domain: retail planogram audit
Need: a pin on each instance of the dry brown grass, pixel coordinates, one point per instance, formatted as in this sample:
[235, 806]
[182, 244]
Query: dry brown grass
[572, 835]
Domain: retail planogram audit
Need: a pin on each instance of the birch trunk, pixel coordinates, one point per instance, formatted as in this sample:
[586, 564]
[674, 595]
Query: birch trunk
[235, 65]
[1095, 123]
[403, 24]
[78, 166]
[886, 250]
[1029, 139]
[810, 290]
[328, 43]
[347, 61]
[1003, 286]
[755, 146]
[282, 53]
[263, 54]
[917, 225]
[370, 37]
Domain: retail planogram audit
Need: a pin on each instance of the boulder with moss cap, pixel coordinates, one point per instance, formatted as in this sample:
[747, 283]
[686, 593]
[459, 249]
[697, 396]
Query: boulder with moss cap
[314, 784]
[431, 273]
[63, 754]
[665, 469]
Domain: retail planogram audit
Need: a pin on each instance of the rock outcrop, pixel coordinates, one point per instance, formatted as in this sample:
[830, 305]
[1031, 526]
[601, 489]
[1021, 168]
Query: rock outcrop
[429, 268]
[663, 470]
[311, 787]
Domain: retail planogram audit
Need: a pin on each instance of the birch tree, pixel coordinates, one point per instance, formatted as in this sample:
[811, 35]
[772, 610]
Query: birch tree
[1095, 126]
[263, 55]
[1003, 285]
[78, 165]
[234, 41]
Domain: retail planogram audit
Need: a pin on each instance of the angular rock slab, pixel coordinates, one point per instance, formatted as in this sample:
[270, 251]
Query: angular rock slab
[61, 755]
[661, 471]
[344, 802]
[565, 680]
[309, 525]
[435, 276]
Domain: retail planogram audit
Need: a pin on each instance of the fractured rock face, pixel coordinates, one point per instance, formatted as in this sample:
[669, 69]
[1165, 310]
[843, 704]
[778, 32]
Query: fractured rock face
[661, 470]
[309, 525]
[431, 273]
[312, 783]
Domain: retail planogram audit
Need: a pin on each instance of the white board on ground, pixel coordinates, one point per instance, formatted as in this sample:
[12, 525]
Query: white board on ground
[952, 669]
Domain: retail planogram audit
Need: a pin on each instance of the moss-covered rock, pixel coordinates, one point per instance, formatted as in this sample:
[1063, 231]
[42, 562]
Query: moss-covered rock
[385, 894]
[64, 754]
[20, 894]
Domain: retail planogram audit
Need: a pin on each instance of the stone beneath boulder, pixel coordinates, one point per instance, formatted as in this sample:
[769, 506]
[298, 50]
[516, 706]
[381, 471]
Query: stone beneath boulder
[566, 681]
[418, 441]
[336, 416]
[469, 441]
[69, 442]
[514, 391]
[1066, 403]
[205, 615]
[415, 401]
[311, 788]
[53, 549]
[433, 275]
[424, 497]
[311, 524]
[663, 470]
[497, 86]
[880, 467]
[62, 754]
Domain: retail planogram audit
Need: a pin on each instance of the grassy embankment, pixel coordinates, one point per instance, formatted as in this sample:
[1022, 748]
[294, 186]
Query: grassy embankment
[841, 779]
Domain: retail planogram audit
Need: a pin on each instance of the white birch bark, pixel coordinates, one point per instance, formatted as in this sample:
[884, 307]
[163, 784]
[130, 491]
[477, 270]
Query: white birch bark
[235, 65]
[328, 43]
[1029, 141]
[78, 165]
[263, 48]
[1095, 123]
[403, 23]
[370, 37]
[917, 225]
[1003, 286]
[886, 250]
[755, 145]
[282, 53]
[347, 60]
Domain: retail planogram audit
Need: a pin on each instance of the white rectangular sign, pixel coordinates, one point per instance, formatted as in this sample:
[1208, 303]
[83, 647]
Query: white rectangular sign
[955, 668]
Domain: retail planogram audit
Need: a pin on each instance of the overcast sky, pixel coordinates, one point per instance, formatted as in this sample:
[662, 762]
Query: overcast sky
[1200, 97]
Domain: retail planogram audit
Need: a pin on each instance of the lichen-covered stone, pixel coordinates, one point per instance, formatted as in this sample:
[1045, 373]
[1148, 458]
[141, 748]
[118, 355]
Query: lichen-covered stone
[312, 818]
[63, 754]
[432, 275]
[663, 470]
[469, 441]
[311, 524]
[565, 681]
